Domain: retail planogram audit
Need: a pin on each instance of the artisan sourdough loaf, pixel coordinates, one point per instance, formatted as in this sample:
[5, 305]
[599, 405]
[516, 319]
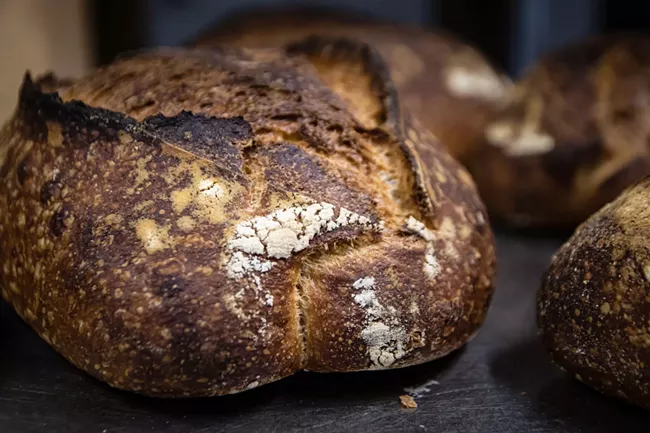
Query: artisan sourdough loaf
[446, 83]
[573, 136]
[593, 304]
[196, 223]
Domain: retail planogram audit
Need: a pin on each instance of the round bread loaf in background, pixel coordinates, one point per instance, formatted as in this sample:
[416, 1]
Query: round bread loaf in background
[575, 133]
[594, 304]
[447, 84]
[197, 223]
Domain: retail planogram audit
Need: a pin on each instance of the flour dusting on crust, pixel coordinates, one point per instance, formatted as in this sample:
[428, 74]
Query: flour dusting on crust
[431, 266]
[261, 241]
[283, 233]
[385, 337]
[417, 227]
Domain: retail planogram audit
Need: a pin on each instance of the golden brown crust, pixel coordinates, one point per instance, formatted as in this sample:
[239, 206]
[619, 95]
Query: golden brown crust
[430, 69]
[574, 135]
[168, 246]
[593, 304]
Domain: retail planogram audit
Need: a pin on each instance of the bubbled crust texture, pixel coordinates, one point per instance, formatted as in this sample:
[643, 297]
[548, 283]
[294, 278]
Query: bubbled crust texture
[594, 311]
[574, 135]
[430, 70]
[124, 212]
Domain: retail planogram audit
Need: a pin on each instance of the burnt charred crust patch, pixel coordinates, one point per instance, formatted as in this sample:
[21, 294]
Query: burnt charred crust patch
[75, 117]
[216, 139]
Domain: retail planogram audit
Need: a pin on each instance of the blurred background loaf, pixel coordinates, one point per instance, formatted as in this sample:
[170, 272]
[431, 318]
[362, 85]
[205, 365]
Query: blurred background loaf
[575, 133]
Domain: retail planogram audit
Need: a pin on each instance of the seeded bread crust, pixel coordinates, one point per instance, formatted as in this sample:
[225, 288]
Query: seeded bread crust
[573, 137]
[198, 223]
[593, 304]
[430, 69]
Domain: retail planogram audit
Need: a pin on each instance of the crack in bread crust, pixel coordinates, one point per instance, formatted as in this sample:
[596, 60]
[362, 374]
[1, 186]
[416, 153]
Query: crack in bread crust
[128, 192]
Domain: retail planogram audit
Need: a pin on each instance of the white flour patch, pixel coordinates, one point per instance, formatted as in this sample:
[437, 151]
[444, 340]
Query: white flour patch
[364, 283]
[418, 391]
[431, 266]
[241, 264]
[284, 232]
[418, 228]
[383, 334]
[261, 241]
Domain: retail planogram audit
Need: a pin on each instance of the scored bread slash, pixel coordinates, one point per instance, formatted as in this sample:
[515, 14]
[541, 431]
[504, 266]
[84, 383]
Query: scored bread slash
[407, 402]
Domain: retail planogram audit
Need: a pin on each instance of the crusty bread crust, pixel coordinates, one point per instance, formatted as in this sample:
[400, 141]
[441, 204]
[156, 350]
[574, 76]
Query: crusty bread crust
[573, 137]
[593, 304]
[195, 223]
[430, 69]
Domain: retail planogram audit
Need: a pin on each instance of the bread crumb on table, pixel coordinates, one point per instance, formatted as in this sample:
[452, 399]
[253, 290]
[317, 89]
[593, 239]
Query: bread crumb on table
[407, 402]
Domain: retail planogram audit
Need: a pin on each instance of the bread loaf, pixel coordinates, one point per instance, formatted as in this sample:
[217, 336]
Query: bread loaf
[593, 304]
[198, 223]
[431, 70]
[573, 136]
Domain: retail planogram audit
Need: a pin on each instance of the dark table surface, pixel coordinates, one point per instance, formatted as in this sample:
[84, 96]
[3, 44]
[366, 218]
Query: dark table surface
[502, 381]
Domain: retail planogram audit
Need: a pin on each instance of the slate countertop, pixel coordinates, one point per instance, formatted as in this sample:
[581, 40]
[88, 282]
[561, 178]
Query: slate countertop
[502, 381]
